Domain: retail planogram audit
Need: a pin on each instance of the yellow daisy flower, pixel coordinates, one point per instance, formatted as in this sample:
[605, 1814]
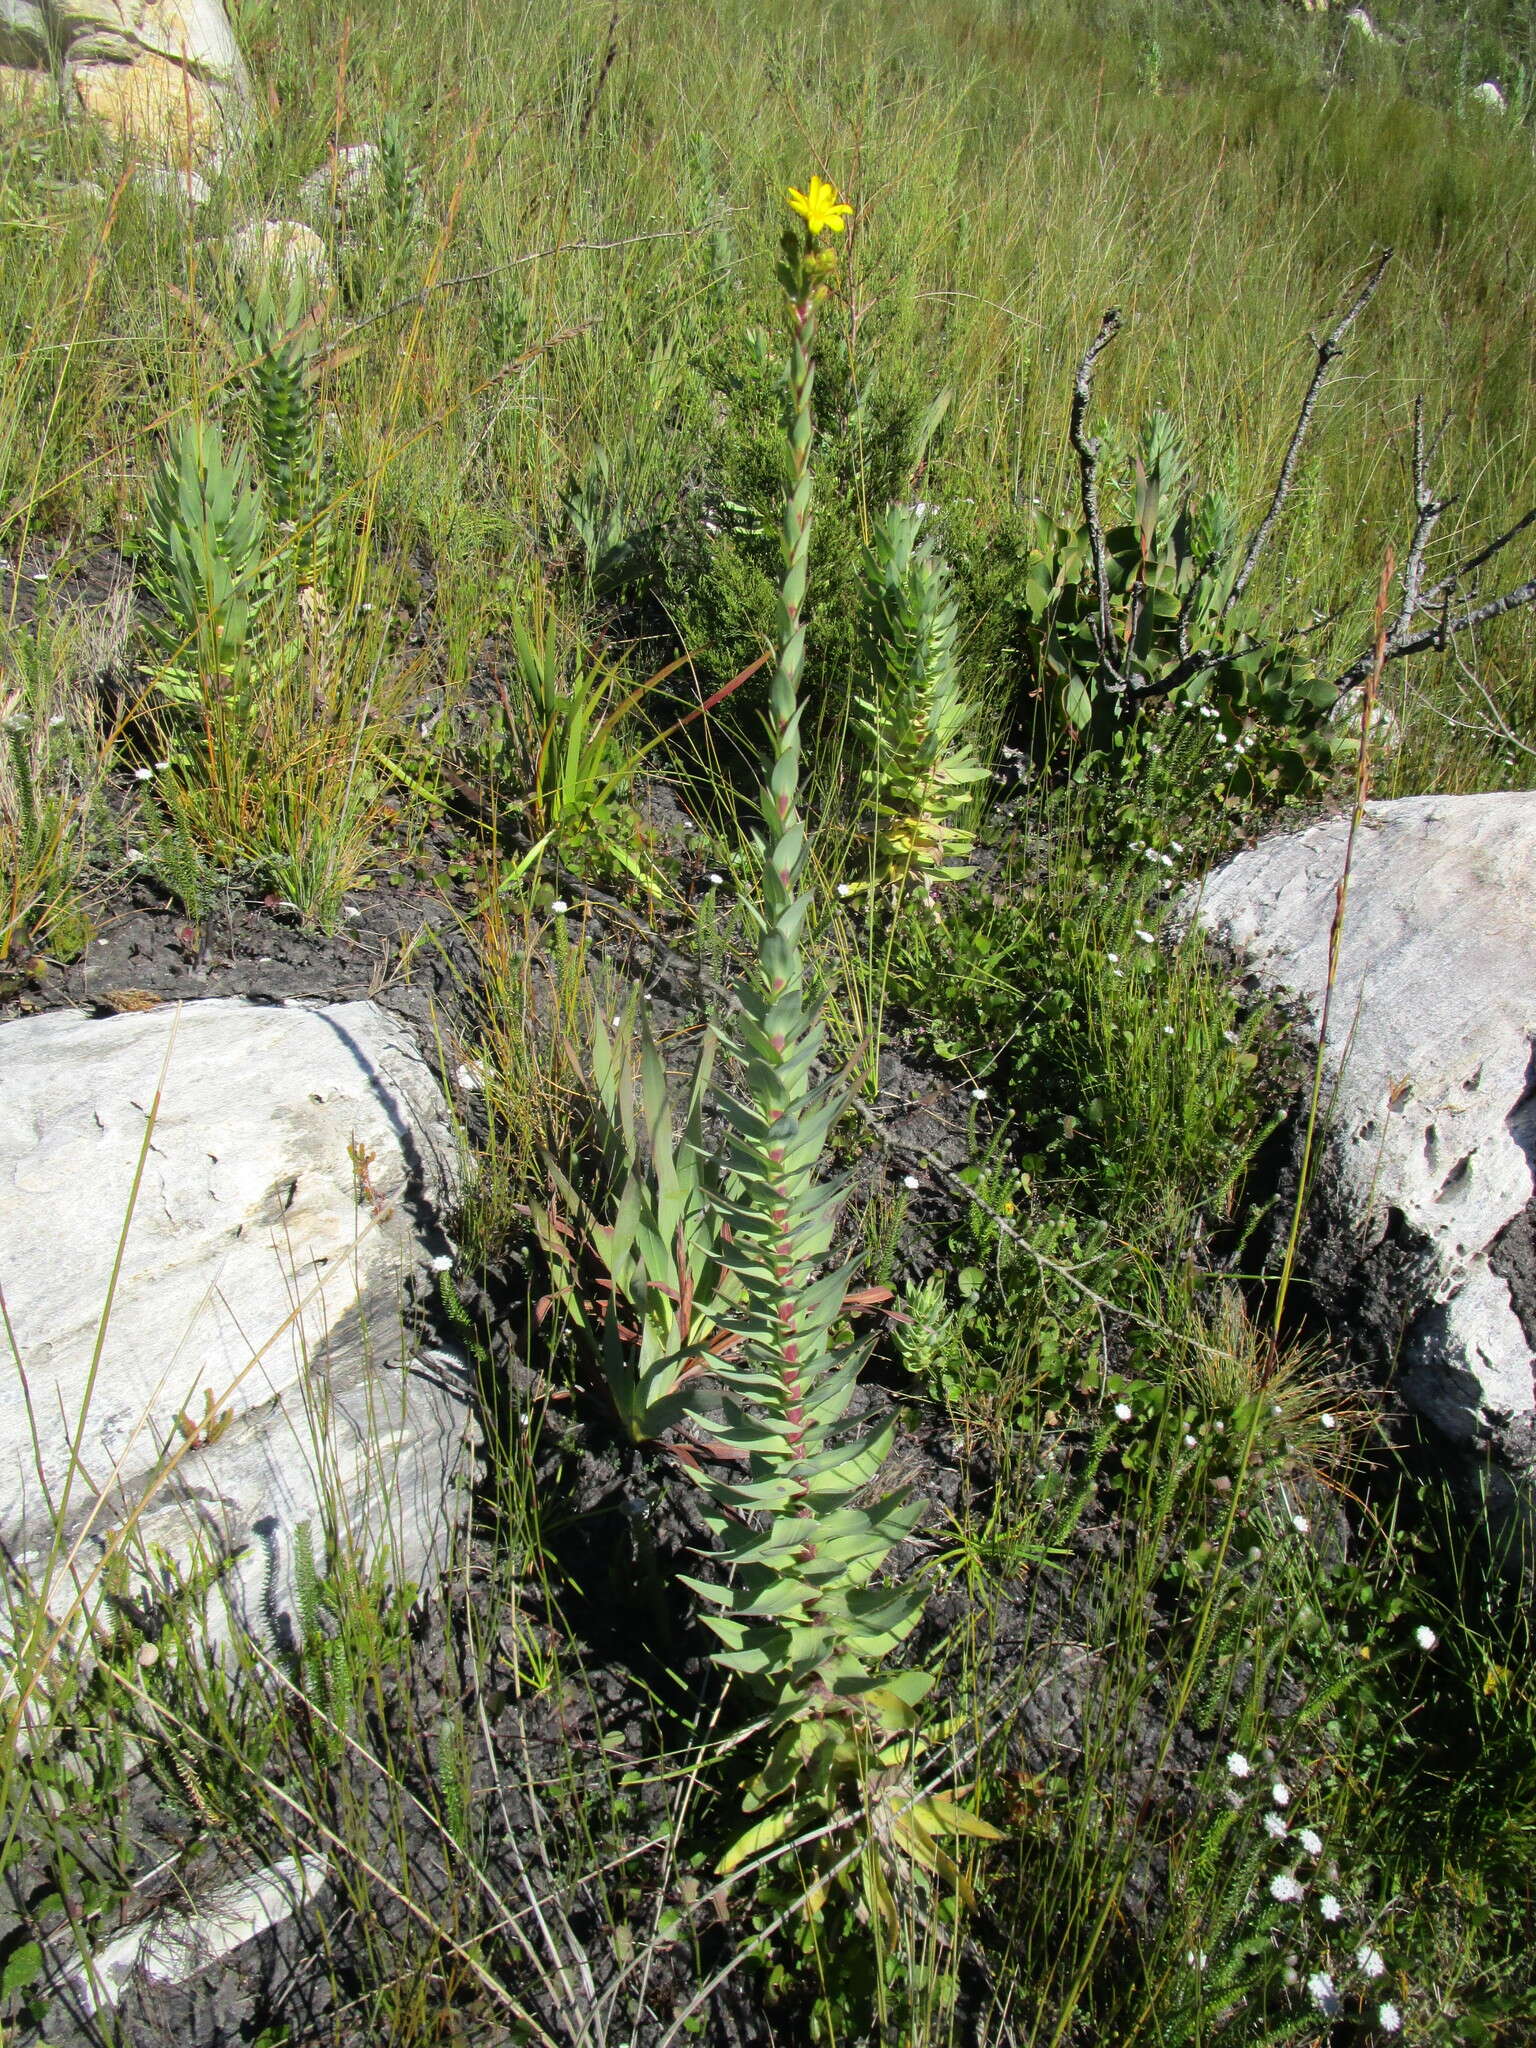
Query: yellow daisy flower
[820, 207]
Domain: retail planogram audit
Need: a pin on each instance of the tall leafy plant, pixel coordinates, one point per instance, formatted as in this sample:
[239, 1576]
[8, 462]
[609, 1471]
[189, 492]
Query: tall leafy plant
[203, 547]
[803, 1619]
[690, 1262]
[636, 1261]
[280, 349]
[921, 773]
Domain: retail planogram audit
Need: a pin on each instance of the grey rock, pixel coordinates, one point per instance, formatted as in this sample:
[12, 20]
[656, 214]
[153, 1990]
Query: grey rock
[163, 77]
[218, 1355]
[1425, 1220]
[181, 188]
[343, 182]
[23, 34]
[282, 252]
[175, 1944]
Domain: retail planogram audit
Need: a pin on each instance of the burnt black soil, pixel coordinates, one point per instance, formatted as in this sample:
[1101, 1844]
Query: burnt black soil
[621, 1660]
[571, 1688]
[576, 1676]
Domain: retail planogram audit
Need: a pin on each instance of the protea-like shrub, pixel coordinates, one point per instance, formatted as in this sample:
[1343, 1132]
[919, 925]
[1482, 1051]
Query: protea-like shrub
[920, 771]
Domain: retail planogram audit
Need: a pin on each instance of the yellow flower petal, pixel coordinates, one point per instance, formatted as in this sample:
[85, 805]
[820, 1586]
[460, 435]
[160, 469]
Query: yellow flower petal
[820, 207]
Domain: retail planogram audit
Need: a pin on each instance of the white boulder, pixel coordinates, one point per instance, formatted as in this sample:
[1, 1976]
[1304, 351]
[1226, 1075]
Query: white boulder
[208, 1360]
[281, 252]
[173, 1945]
[347, 179]
[185, 190]
[25, 80]
[23, 33]
[164, 78]
[1424, 1223]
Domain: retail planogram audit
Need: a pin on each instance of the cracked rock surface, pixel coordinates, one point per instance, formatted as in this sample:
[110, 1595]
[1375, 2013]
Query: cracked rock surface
[1421, 1236]
[244, 1366]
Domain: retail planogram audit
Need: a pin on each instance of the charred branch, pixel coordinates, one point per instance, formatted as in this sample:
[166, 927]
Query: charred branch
[1328, 352]
[1086, 448]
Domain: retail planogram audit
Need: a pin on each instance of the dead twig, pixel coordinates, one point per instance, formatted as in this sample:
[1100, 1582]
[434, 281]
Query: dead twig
[1445, 629]
[1087, 451]
[1328, 352]
[1427, 509]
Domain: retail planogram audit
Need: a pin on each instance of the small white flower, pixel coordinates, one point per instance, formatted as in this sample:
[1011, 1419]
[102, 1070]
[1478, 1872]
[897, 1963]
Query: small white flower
[1146, 938]
[1167, 1031]
[1123, 1411]
[1232, 1037]
[57, 719]
[845, 888]
[1280, 1792]
[1370, 1961]
[979, 1094]
[1176, 846]
[1329, 1907]
[160, 766]
[1320, 1990]
[1329, 1421]
[1274, 1827]
[1195, 1957]
[1311, 1841]
[135, 853]
[1191, 1442]
[615, 1022]
[1388, 2017]
[1285, 1889]
[1239, 1765]
[910, 1180]
[1113, 959]
[142, 774]
[714, 880]
[1425, 1637]
[442, 1263]
[559, 907]
[1300, 1524]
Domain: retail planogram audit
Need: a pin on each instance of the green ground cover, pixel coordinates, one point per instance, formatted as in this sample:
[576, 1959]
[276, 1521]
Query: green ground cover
[483, 568]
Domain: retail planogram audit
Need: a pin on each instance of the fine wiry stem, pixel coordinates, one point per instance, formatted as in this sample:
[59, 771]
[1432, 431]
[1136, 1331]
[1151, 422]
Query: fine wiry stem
[1328, 351]
[1335, 939]
[1087, 451]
